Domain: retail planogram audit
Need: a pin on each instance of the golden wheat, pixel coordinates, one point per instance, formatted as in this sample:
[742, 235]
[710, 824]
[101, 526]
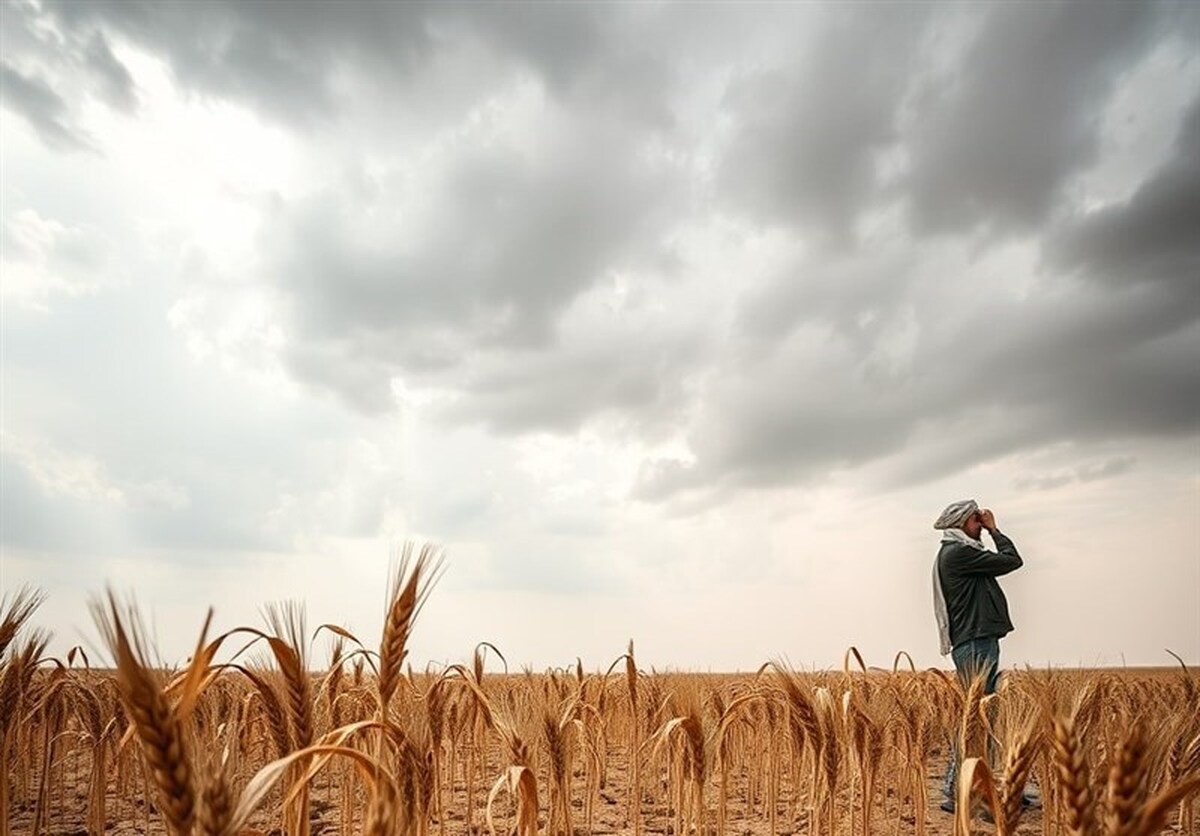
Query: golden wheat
[224, 748]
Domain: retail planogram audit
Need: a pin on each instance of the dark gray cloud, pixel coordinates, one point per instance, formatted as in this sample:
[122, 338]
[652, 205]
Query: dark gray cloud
[291, 61]
[995, 137]
[506, 242]
[592, 56]
[545, 152]
[857, 358]
[507, 238]
[277, 58]
[110, 77]
[632, 374]
[1151, 236]
[945, 386]
[853, 294]
[47, 74]
[789, 416]
[834, 363]
[808, 133]
[32, 98]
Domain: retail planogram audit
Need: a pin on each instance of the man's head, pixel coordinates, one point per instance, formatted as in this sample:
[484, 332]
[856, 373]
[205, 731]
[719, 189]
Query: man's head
[973, 526]
[963, 514]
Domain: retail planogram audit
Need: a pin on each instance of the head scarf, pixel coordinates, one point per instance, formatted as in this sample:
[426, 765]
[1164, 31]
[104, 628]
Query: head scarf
[956, 514]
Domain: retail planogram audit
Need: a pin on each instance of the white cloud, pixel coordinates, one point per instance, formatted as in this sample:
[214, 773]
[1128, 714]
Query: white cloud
[42, 258]
[84, 478]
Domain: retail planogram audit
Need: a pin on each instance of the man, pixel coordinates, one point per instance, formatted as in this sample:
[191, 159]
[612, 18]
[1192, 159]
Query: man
[970, 607]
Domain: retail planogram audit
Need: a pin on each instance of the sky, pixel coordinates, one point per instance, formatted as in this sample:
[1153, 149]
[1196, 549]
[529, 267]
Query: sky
[677, 323]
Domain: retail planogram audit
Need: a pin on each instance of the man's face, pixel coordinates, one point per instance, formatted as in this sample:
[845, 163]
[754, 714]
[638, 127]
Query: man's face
[974, 525]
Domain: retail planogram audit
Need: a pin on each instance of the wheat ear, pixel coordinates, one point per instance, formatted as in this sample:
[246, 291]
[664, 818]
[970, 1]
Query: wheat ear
[157, 728]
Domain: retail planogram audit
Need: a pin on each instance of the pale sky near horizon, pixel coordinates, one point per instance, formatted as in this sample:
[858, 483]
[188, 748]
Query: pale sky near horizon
[671, 322]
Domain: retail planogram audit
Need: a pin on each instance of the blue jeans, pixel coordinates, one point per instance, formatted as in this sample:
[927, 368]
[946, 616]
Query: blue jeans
[972, 658]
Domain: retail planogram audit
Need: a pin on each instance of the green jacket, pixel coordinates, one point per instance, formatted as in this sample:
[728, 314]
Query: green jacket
[974, 600]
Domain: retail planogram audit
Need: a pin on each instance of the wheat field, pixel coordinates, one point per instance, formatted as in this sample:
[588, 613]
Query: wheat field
[255, 736]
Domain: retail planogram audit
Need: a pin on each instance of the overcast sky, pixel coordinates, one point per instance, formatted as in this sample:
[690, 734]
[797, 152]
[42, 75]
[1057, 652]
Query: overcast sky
[678, 323]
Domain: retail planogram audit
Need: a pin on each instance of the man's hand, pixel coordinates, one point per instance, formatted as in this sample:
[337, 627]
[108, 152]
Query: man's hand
[989, 519]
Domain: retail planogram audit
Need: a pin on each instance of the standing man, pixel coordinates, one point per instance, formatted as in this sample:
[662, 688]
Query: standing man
[971, 611]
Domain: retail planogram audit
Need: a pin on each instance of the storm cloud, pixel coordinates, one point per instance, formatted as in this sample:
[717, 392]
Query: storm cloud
[578, 280]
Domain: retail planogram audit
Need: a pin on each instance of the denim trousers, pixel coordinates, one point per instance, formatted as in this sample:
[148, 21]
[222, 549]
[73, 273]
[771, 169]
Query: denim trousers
[972, 658]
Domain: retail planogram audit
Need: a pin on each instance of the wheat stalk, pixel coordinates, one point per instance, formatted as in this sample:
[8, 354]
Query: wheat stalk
[161, 735]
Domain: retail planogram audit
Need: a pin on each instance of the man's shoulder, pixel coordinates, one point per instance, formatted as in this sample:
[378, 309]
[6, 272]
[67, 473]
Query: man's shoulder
[946, 551]
[951, 550]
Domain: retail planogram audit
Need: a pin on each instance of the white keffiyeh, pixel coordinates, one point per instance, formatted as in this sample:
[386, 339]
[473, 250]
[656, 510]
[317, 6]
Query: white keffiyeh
[949, 535]
[957, 535]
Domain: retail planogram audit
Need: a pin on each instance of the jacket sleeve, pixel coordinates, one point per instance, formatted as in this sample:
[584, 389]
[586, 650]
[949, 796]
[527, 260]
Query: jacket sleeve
[971, 561]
